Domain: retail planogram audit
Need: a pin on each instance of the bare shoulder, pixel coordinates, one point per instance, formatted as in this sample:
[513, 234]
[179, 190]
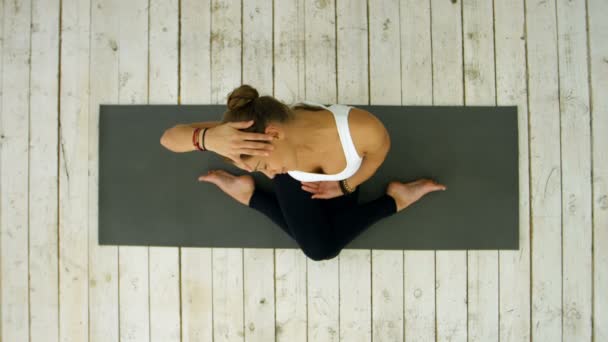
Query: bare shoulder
[369, 133]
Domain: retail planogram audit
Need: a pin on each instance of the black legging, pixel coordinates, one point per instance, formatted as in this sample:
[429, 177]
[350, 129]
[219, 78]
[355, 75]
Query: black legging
[322, 227]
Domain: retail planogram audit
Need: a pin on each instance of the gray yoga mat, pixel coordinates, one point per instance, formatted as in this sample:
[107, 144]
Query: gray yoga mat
[150, 196]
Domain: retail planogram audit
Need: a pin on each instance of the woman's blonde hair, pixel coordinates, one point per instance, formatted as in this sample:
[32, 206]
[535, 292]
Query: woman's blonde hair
[245, 103]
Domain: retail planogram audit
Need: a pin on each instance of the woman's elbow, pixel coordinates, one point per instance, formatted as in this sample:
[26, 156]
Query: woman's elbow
[168, 142]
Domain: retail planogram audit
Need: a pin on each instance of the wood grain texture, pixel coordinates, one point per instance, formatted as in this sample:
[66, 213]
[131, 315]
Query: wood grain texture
[354, 264]
[103, 261]
[164, 269]
[385, 89]
[448, 89]
[61, 59]
[417, 89]
[511, 89]
[479, 85]
[598, 69]
[576, 170]
[43, 271]
[195, 87]
[73, 165]
[14, 166]
[258, 263]
[291, 309]
[545, 171]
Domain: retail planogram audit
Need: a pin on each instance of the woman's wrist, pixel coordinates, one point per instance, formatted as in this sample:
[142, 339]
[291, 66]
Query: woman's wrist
[346, 188]
[200, 140]
[203, 138]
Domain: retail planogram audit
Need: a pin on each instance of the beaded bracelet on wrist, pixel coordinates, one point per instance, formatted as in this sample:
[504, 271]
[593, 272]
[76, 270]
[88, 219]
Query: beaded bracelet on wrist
[198, 140]
[346, 189]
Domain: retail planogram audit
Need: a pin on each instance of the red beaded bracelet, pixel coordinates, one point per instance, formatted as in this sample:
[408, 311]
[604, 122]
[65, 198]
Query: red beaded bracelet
[195, 139]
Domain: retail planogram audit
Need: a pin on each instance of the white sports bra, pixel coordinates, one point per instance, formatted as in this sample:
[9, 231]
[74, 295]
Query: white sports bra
[353, 160]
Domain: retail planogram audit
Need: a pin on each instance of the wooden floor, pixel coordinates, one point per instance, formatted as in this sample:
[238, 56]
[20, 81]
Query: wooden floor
[62, 58]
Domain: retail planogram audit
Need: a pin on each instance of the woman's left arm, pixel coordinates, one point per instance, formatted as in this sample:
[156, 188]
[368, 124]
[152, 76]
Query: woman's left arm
[378, 144]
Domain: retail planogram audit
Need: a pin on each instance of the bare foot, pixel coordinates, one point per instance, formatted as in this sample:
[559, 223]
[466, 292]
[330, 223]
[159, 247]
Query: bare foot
[238, 187]
[407, 193]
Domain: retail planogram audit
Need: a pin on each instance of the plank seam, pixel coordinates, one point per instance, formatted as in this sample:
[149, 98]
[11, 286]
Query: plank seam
[369, 88]
[29, 120]
[179, 82]
[496, 103]
[589, 67]
[530, 214]
[561, 169]
[337, 89]
[211, 250]
[148, 248]
[464, 101]
[58, 169]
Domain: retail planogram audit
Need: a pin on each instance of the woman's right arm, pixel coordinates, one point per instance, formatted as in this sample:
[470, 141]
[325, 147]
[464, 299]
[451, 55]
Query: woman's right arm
[224, 139]
[179, 137]
[204, 124]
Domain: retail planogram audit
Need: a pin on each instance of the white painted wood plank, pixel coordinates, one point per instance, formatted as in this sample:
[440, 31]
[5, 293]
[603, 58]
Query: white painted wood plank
[545, 170]
[103, 260]
[419, 295]
[165, 324]
[446, 40]
[355, 294]
[43, 271]
[290, 264]
[226, 49]
[597, 12]
[14, 205]
[417, 89]
[387, 295]
[354, 264]
[323, 276]
[195, 54]
[514, 266]
[257, 45]
[228, 294]
[320, 52]
[416, 60]
[576, 170]
[133, 261]
[291, 289]
[259, 294]
[197, 315]
[196, 267]
[478, 49]
[451, 266]
[352, 52]
[385, 84]
[482, 275]
[323, 300]
[289, 62]
[384, 53]
[258, 264]
[74, 165]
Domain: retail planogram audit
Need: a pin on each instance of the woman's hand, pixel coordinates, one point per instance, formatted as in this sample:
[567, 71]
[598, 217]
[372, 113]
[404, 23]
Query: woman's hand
[228, 141]
[322, 189]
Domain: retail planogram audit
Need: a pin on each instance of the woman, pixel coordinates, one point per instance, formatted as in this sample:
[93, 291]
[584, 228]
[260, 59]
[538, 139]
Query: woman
[324, 151]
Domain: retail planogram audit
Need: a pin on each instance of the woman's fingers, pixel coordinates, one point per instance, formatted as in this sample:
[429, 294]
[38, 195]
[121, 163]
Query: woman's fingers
[256, 136]
[314, 185]
[309, 189]
[252, 152]
[254, 145]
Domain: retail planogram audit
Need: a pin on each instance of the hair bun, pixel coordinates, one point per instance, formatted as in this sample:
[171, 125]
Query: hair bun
[241, 97]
